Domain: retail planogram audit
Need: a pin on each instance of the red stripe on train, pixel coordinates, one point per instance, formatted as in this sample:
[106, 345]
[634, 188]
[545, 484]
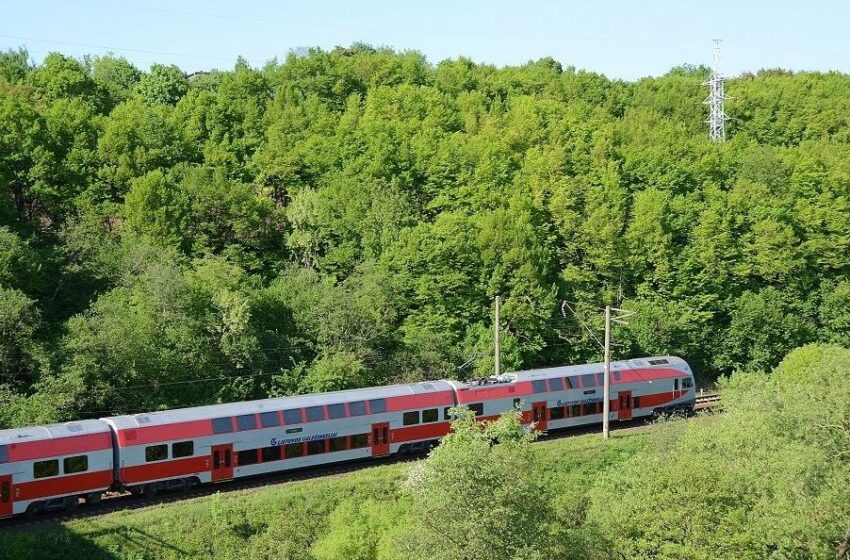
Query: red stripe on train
[165, 432]
[420, 400]
[58, 485]
[26, 451]
[165, 469]
[420, 432]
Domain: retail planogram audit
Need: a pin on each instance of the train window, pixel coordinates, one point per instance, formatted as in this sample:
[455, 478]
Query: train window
[246, 422]
[618, 376]
[293, 416]
[4, 454]
[378, 405]
[247, 457]
[271, 453]
[588, 380]
[339, 443]
[156, 453]
[687, 383]
[222, 425]
[600, 379]
[4, 492]
[80, 463]
[676, 384]
[477, 408]
[556, 384]
[556, 413]
[182, 449]
[589, 409]
[410, 418]
[568, 383]
[575, 410]
[336, 411]
[448, 415]
[538, 385]
[315, 447]
[430, 415]
[42, 469]
[357, 408]
[635, 402]
[517, 404]
[293, 450]
[658, 362]
[269, 419]
[359, 440]
[315, 413]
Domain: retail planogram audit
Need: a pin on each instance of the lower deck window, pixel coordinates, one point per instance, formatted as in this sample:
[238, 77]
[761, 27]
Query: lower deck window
[315, 447]
[42, 469]
[247, 457]
[271, 453]
[359, 440]
[556, 413]
[183, 449]
[156, 453]
[293, 450]
[575, 410]
[80, 463]
[339, 443]
[430, 415]
[477, 408]
[410, 418]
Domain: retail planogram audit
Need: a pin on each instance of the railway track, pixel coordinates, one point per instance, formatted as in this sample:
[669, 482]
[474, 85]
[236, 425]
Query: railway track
[124, 501]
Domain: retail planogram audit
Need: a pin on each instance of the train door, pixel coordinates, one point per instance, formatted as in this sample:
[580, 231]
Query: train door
[222, 462]
[624, 411]
[380, 439]
[538, 415]
[5, 496]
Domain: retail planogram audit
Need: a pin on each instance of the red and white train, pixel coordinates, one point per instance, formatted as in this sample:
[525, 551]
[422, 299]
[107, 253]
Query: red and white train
[55, 466]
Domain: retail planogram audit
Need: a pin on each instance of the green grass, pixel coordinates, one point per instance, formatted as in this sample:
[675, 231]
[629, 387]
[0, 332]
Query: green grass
[283, 522]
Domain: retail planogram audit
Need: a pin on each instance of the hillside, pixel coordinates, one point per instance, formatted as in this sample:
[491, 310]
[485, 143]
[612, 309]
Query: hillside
[345, 218]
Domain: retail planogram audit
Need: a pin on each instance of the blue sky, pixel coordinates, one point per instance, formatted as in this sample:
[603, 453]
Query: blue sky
[620, 38]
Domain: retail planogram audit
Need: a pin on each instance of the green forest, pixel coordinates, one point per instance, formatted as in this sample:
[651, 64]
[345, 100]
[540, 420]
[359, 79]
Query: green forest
[346, 218]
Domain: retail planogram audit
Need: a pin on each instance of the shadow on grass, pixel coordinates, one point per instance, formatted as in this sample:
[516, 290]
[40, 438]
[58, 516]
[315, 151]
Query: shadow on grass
[112, 542]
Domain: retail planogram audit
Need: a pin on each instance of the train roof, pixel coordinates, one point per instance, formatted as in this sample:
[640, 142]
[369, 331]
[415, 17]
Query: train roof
[583, 369]
[53, 431]
[652, 362]
[275, 404]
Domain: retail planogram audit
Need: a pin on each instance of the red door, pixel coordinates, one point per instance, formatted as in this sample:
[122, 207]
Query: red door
[538, 415]
[222, 462]
[624, 411]
[5, 496]
[380, 439]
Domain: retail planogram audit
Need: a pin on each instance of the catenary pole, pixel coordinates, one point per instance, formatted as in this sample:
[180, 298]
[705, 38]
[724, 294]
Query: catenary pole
[498, 368]
[606, 383]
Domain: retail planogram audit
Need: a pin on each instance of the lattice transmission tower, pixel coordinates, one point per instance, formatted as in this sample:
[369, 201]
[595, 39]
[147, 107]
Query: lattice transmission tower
[716, 116]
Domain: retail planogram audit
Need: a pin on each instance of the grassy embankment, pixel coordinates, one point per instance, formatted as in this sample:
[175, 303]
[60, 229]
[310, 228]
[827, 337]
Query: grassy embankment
[282, 521]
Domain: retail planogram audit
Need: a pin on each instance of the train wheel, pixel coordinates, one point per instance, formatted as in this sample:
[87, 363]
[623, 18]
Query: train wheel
[94, 498]
[150, 490]
[34, 509]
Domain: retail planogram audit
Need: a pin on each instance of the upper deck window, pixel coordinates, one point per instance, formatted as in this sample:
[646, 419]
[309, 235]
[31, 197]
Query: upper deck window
[4, 454]
[378, 405]
[222, 425]
[315, 413]
[269, 419]
[292, 416]
[336, 411]
[246, 422]
[357, 408]
[538, 386]
[588, 380]
[556, 384]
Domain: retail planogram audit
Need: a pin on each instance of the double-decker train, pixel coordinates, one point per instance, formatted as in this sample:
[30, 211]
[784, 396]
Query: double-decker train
[59, 465]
